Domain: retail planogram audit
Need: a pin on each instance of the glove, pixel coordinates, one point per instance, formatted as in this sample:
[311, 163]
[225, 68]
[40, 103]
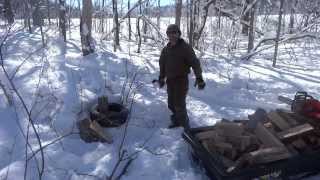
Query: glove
[161, 82]
[200, 83]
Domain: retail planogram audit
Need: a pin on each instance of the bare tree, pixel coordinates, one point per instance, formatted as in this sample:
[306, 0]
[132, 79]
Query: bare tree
[219, 14]
[37, 16]
[8, 12]
[251, 27]
[144, 25]
[48, 12]
[116, 42]
[191, 23]
[27, 14]
[158, 14]
[292, 14]
[25, 108]
[278, 34]
[62, 19]
[245, 17]
[85, 28]
[138, 28]
[129, 21]
[203, 11]
[178, 12]
[102, 16]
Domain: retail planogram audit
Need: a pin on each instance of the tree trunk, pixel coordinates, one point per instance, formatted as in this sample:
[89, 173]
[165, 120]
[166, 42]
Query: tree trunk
[48, 12]
[191, 24]
[251, 28]
[85, 28]
[139, 35]
[57, 12]
[37, 15]
[292, 13]
[62, 19]
[116, 42]
[8, 12]
[138, 28]
[219, 16]
[178, 12]
[42, 37]
[204, 15]
[278, 34]
[102, 17]
[158, 15]
[145, 27]
[245, 17]
[188, 18]
[28, 15]
[129, 21]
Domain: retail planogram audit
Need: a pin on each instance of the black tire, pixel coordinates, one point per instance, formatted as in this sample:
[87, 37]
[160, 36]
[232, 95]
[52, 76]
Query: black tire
[118, 114]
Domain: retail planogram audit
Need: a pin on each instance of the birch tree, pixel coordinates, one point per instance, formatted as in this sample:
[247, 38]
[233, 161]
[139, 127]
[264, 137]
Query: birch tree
[278, 34]
[116, 41]
[144, 25]
[85, 28]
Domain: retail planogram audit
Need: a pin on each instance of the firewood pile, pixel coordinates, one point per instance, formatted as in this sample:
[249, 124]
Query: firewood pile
[265, 137]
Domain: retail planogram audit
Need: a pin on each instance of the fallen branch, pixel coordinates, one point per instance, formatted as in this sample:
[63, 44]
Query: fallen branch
[233, 18]
[282, 40]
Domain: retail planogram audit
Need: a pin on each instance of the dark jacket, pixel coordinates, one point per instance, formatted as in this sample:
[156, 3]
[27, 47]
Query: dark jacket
[175, 61]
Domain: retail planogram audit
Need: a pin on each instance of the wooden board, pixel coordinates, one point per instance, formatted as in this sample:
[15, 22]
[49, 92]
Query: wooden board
[231, 128]
[240, 142]
[275, 118]
[266, 137]
[295, 131]
[288, 117]
[212, 134]
[268, 155]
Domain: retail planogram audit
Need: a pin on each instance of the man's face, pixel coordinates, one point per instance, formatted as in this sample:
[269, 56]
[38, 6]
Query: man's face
[173, 36]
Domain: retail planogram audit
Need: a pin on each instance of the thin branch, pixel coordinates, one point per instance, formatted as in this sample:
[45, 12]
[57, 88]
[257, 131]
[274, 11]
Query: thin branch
[22, 102]
[122, 19]
[50, 143]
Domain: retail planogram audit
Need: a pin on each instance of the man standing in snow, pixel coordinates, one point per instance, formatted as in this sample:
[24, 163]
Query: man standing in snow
[175, 61]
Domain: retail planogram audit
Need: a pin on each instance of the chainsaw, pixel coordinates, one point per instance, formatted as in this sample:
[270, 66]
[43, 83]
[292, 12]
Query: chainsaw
[303, 104]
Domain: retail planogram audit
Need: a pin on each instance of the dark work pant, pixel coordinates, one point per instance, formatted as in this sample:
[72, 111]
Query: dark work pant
[177, 89]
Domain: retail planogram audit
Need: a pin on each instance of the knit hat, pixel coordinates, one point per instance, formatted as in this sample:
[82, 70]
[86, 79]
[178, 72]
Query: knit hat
[173, 27]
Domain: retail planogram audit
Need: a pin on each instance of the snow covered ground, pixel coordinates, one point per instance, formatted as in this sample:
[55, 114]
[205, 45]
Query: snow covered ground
[57, 82]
